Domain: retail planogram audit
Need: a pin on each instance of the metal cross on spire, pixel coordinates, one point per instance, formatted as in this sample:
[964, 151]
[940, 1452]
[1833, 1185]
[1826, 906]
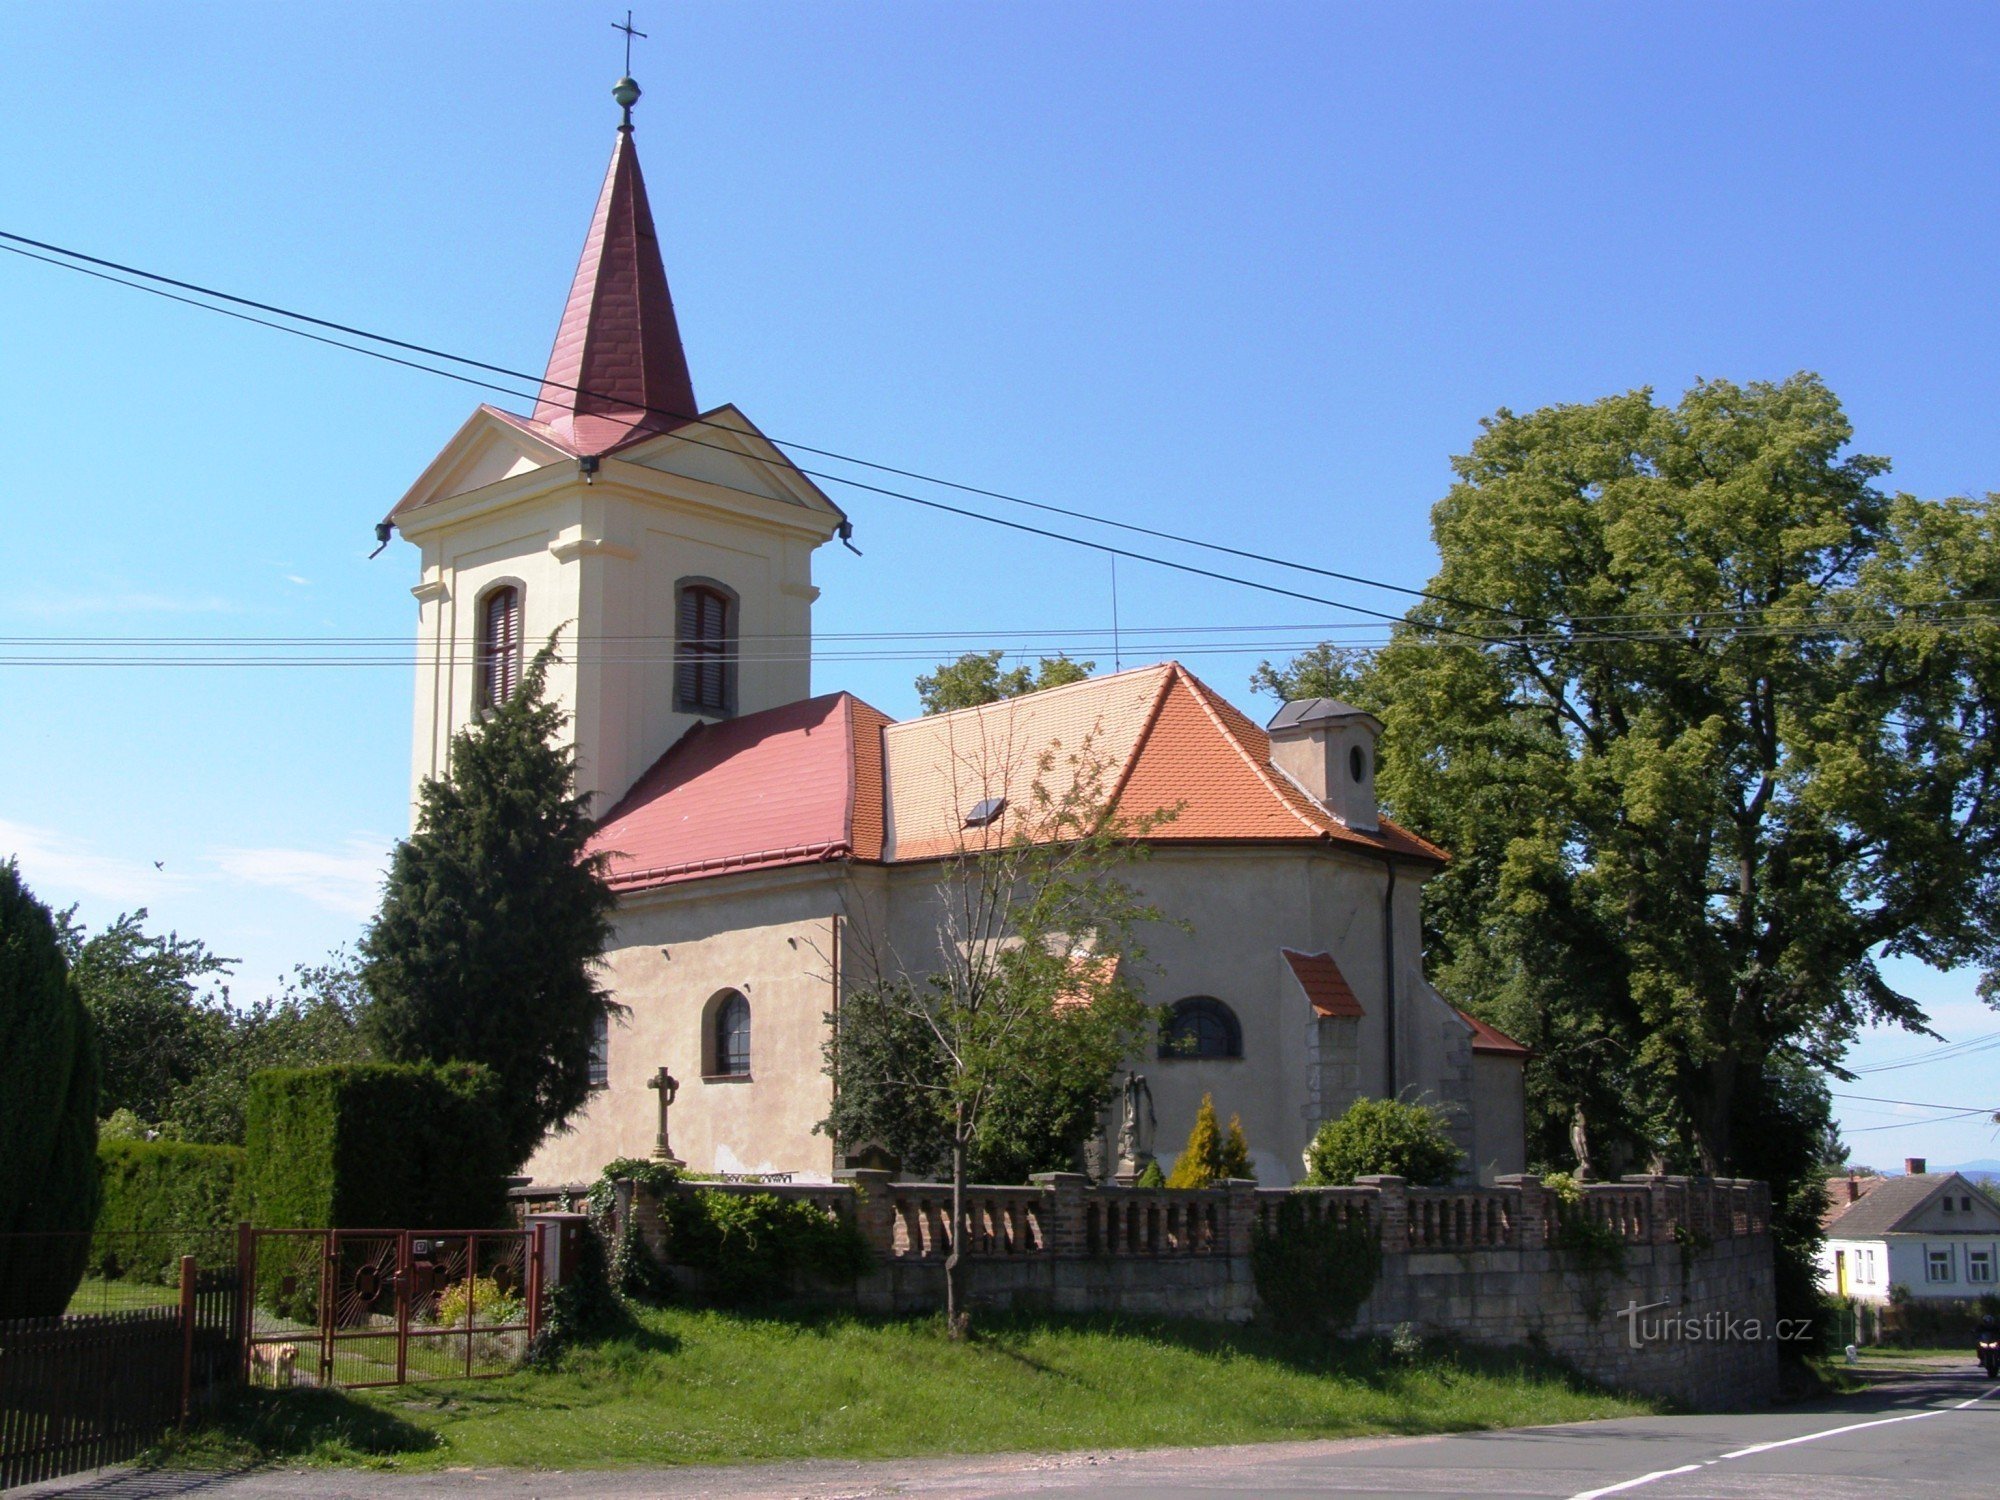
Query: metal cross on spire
[627, 27]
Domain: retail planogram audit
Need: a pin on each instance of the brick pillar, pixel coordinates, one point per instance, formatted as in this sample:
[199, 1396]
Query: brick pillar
[1063, 1207]
[1239, 1215]
[1532, 1230]
[1659, 1205]
[874, 1208]
[1392, 1204]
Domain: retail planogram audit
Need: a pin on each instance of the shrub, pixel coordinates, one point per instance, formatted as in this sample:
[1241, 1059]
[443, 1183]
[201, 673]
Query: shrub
[162, 1200]
[1384, 1137]
[488, 1302]
[1152, 1177]
[1313, 1271]
[376, 1146]
[745, 1246]
[1200, 1161]
[48, 1109]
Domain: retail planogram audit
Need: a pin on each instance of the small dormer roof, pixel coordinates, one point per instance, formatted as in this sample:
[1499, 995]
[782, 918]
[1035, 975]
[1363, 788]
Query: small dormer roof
[1303, 713]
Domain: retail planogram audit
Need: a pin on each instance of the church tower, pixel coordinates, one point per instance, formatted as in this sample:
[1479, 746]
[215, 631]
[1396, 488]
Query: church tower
[668, 549]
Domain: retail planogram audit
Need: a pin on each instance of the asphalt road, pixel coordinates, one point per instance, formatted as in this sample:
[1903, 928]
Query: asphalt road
[1934, 1434]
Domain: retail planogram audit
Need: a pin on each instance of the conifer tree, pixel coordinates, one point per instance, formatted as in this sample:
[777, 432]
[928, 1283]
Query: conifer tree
[493, 917]
[1236, 1152]
[1201, 1162]
[48, 1109]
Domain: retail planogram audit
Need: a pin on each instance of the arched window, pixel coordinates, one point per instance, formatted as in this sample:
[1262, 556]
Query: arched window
[704, 648]
[600, 1051]
[1201, 1027]
[729, 1036]
[498, 657]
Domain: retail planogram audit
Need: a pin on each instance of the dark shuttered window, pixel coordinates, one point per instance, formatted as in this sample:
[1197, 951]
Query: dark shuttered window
[499, 652]
[704, 665]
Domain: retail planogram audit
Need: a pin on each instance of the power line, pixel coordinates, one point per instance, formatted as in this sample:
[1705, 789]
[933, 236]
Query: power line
[155, 283]
[1908, 1124]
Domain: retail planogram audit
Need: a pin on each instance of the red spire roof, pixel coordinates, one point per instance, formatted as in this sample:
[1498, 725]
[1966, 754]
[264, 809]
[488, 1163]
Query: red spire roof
[617, 370]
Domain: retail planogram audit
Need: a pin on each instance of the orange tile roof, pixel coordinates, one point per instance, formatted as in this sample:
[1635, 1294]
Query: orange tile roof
[765, 789]
[1320, 977]
[1491, 1039]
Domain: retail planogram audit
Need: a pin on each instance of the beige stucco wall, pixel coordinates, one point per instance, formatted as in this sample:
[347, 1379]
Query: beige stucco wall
[1499, 1116]
[771, 936]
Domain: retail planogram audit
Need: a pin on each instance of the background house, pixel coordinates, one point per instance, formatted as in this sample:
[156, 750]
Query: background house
[1932, 1232]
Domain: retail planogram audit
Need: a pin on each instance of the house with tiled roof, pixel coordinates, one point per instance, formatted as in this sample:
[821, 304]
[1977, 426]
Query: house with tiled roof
[1933, 1233]
[761, 839]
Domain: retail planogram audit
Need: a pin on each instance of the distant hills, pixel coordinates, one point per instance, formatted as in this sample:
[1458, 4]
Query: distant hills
[1986, 1166]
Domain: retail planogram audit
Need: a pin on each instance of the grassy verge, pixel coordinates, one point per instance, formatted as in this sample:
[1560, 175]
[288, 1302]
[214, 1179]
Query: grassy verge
[95, 1295]
[709, 1387]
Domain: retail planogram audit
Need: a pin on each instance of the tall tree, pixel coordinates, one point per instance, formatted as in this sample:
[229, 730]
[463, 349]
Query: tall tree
[162, 1020]
[48, 1122]
[1707, 718]
[1003, 1047]
[976, 678]
[486, 947]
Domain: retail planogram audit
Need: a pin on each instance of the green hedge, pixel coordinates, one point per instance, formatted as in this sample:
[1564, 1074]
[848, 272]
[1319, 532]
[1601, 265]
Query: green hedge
[376, 1146]
[163, 1200]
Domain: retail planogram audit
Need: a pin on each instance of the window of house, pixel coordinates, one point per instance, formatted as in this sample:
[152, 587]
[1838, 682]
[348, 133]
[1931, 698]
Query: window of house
[729, 1031]
[1979, 1265]
[704, 654]
[497, 657]
[1201, 1027]
[600, 1052]
[1937, 1263]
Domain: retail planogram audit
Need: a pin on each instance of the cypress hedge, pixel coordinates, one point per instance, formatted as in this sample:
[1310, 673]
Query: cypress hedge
[376, 1146]
[48, 1111]
[163, 1200]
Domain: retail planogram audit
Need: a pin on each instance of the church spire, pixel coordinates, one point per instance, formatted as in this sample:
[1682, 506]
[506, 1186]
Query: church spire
[617, 369]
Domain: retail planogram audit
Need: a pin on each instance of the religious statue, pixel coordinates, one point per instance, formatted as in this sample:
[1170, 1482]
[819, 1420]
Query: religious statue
[1136, 1129]
[668, 1086]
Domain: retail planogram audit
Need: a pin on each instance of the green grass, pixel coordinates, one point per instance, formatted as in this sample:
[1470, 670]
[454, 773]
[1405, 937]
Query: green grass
[93, 1295]
[710, 1387]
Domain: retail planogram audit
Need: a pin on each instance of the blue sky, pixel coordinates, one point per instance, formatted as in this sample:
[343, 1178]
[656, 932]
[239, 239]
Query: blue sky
[1249, 271]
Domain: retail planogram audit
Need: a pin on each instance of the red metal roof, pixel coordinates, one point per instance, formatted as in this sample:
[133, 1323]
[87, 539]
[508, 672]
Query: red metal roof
[1491, 1039]
[1320, 977]
[768, 789]
[618, 351]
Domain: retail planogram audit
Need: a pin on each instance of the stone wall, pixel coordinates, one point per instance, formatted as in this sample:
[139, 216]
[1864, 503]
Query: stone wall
[1676, 1300]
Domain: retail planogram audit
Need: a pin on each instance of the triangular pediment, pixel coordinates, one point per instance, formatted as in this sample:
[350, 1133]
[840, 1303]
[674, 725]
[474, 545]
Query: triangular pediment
[490, 447]
[723, 447]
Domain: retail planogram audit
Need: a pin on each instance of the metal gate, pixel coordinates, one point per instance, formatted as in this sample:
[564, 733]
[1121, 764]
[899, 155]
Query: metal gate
[366, 1307]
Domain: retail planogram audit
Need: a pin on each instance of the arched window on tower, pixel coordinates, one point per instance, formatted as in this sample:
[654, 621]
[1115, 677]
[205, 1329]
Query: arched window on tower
[497, 659]
[704, 648]
[1201, 1027]
[728, 1042]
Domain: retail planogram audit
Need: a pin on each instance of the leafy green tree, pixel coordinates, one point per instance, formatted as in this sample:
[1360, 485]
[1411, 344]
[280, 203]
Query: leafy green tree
[495, 911]
[1708, 721]
[48, 1122]
[976, 678]
[318, 1018]
[1006, 1048]
[1384, 1137]
[161, 1020]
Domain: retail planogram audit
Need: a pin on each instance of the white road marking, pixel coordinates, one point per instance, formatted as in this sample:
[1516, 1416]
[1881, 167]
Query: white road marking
[1633, 1484]
[1810, 1437]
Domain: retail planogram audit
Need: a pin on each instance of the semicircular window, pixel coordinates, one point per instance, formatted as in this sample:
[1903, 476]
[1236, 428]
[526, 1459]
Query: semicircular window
[1201, 1027]
[732, 1036]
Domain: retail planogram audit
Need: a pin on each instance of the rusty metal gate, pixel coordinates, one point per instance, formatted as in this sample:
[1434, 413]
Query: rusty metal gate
[367, 1307]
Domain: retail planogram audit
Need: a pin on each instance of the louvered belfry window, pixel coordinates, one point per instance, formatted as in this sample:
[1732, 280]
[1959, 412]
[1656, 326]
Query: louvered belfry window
[704, 674]
[499, 653]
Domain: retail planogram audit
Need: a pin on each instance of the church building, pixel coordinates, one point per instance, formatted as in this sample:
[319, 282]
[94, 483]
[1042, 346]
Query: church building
[762, 838]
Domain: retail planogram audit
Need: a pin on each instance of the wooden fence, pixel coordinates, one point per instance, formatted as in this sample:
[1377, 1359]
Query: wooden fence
[82, 1391]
